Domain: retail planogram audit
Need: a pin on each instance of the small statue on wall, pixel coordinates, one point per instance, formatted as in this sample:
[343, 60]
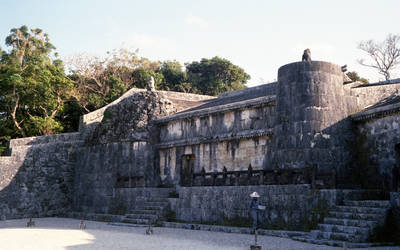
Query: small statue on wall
[306, 56]
[151, 84]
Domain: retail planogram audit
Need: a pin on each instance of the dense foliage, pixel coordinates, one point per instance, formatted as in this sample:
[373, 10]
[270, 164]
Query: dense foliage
[38, 97]
[33, 86]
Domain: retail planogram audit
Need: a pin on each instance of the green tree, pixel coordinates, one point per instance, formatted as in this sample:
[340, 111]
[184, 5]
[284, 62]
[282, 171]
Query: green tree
[141, 78]
[355, 77]
[33, 85]
[216, 75]
[174, 78]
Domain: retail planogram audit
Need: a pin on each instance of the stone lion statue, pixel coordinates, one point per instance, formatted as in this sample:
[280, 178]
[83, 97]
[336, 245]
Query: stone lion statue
[306, 56]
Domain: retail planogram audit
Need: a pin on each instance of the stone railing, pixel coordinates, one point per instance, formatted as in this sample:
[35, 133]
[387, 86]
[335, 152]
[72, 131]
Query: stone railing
[261, 177]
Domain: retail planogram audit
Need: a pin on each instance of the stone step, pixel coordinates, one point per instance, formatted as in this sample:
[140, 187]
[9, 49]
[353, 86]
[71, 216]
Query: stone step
[334, 243]
[157, 199]
[161, 192]
[318, 234]
[156, 208]
[343, 229]
[156, 203]
[368, 203]
[136, 221]
[355, 216]
[362, 210]
[120, 224]
[350, 222]
[139, 211]
[142, 216]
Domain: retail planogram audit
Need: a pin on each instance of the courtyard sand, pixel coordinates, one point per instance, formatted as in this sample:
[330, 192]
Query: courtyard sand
[62, 233]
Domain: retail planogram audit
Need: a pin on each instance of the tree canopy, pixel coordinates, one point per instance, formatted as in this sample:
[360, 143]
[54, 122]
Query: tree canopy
[216, 75]
[356, 78]
[33, 85]
[38, 97]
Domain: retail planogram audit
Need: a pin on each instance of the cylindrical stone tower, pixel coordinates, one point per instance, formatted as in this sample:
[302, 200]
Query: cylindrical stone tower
[311, 127]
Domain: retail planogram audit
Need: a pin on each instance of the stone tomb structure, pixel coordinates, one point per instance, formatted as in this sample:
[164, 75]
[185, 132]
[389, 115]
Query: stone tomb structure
[294, 141]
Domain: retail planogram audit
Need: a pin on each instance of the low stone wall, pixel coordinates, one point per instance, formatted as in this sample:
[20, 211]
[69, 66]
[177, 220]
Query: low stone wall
[289, 207]
[380, 137]
[369, 94]
[36, 180]
[58, 138]
[395, 202]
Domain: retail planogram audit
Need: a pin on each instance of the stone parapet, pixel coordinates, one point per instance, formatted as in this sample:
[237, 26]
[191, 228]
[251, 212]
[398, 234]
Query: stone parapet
[377, 112]
[266, 89]
[288, 206]
[36, 140]
[217, 138]
[227, 229]
[97, 115]
[260, 101]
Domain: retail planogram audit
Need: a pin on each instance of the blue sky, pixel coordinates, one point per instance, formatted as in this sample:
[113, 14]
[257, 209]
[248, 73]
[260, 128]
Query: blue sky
[259, 36]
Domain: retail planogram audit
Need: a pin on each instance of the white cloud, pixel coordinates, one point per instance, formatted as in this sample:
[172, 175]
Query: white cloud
[196, 21]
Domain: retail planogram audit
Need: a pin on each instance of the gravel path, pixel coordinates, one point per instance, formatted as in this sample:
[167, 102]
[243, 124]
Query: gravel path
[61, 233]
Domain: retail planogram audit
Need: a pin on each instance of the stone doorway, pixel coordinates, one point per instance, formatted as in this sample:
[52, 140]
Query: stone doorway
[187, 169]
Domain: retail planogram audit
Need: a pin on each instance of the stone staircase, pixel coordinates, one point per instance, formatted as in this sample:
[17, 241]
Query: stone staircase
[351, 223]
[149, 211]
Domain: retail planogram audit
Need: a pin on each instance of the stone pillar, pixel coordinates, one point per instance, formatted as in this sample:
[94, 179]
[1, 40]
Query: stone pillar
[311, 116]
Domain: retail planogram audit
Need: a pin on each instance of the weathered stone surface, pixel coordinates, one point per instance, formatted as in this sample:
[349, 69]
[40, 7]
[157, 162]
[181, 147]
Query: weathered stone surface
[309, 95]
[381, 137]
[291, 207]
[149, 139]
[37, 180]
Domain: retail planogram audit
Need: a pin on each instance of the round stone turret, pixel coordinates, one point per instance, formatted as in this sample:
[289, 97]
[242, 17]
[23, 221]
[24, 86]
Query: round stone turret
[310, 116]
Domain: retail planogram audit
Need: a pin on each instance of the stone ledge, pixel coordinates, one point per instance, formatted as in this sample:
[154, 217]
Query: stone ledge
[392, 81]
[35, 140]
[97, 115]
[376, 112]
[217, 138]
[260, 101]
[266, 88]
[226, 229]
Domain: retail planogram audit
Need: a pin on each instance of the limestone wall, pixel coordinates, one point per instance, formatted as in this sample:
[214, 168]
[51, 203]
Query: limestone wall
[312, 127]
[233, 138]
[37, 179]
[292, 207]
[381, 137]
[103, 168]
[370, 94]
[213, 157]
[120, 152]
[89, 121]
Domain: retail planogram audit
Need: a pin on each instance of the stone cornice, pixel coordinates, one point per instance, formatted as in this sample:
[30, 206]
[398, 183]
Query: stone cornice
[260, 101]
[216, 138]
[377, 112]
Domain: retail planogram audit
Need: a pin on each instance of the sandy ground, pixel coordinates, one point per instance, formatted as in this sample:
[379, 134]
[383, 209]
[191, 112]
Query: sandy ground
[61, 233]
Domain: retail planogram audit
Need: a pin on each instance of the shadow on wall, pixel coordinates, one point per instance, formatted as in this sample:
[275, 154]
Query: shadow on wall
[36, 180]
